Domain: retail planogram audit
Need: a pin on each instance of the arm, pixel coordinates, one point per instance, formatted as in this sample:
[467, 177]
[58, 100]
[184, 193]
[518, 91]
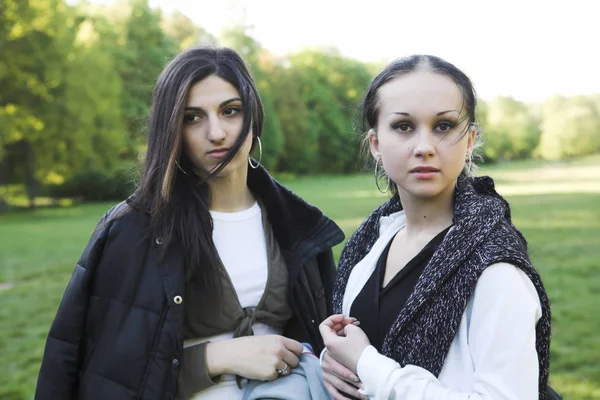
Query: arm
[501, 334]
[253, 357]
[198, 377]
[59, 371]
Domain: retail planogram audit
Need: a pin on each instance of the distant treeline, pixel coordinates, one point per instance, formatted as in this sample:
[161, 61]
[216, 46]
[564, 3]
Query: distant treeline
[76, 83]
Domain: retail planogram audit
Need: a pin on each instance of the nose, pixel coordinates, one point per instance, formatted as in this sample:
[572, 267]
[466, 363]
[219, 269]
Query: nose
[424, 146]
[216, 133]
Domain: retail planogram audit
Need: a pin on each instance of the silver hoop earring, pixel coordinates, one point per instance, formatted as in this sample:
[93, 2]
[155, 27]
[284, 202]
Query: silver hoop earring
[179, 166]
[387, 188]
[254, 166]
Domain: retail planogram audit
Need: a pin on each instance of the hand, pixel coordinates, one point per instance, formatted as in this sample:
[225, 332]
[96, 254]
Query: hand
[253, 357]
[339, 379]
[345, 349]
[338, 323]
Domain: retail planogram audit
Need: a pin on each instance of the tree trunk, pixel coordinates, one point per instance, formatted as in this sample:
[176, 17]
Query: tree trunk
[30, 181]
[3, 185]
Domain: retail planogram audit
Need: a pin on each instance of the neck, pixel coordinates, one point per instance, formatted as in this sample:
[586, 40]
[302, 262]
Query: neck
[230, 193]
[427, 216]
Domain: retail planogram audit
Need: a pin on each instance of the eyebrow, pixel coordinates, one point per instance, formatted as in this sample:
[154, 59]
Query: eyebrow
[223, 104]
[438, 114]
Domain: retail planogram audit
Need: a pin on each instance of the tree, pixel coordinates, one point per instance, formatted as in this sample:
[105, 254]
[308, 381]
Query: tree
[59, 94]
[512, 132]
[330, 89]
[144, 50]
[36, 40]
[570, 127]
[262, 67]
[300, 147]
[184, 33]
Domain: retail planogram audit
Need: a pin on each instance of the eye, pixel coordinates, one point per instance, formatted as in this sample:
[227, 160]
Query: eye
[191, 118]
[445, 126]
[403, 127]
[232, 111]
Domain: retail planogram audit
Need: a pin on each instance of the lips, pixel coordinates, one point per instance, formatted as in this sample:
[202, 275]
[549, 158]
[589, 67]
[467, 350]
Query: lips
[218, 151]
[423, 169]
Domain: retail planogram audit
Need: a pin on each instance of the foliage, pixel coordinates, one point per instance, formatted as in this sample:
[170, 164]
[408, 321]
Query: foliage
[570, 127]
[77, 83]
[512, 132]
[94, 184]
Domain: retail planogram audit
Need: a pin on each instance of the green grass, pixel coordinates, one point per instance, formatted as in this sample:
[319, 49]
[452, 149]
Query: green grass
[556, 205]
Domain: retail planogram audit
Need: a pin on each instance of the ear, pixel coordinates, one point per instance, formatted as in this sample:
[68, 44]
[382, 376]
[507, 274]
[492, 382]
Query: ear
[471, 139]
[374, 143]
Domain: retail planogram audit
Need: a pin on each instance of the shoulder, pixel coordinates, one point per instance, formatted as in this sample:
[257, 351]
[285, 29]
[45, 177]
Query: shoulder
[121, 218]
[504, 286]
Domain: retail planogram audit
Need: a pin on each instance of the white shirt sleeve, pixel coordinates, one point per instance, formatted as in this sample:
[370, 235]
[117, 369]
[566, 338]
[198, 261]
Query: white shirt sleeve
[501, 343]
[322, 355]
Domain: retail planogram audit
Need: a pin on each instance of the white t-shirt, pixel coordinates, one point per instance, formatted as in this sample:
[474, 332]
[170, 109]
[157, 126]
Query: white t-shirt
[239, 238]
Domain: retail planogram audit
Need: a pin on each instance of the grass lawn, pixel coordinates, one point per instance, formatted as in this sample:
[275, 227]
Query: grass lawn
[556, 205]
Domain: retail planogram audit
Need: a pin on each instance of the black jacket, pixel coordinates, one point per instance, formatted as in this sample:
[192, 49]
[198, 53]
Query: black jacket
[118, 333]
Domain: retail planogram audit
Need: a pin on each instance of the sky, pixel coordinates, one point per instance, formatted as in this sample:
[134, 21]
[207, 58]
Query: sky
[527, 49]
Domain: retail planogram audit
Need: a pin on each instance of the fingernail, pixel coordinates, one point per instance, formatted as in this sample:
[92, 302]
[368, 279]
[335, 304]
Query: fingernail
[353, 318]
[356, 323]
[355, 378]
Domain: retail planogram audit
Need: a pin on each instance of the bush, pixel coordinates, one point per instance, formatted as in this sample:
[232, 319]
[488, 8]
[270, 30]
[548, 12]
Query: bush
[94, 184]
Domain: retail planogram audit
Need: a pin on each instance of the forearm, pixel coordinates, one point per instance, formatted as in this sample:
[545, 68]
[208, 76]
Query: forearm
[383, 379]
[218, 360]
[196, 374]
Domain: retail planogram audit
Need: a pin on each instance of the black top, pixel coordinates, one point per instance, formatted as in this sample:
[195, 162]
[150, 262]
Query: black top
[378, 308]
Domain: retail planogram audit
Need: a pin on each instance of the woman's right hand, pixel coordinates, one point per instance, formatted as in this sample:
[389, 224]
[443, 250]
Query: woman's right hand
[253, 357]
[339, 379]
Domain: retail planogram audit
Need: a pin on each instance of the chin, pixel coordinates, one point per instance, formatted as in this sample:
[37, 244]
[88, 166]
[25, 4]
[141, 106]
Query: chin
[426, 194]
[230, 168]
[424, 191]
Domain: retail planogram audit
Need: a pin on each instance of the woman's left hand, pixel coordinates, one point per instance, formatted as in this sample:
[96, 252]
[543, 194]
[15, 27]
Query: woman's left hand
[346, 349]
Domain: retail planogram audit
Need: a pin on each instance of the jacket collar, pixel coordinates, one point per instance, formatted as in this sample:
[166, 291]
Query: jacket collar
[293, 220]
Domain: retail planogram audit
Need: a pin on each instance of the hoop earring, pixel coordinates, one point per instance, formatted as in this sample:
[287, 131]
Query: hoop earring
[179, 166]
[387, 188]
[254, 166]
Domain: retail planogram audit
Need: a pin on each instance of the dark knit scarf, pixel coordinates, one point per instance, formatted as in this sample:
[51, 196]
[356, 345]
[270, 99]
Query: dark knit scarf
[483, 234]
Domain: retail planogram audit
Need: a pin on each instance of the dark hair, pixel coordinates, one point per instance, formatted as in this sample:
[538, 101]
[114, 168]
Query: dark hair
[370, 103]
[178, 200]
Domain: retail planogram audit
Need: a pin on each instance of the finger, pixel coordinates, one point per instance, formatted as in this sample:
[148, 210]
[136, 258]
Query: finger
[293, 345]
[347, 321]
[335, 394]
[329, 337]
[350, 320]
[341, 385]
[283, 369]
[290, 359]
[339, 369]
[351, 329]
[333, 319]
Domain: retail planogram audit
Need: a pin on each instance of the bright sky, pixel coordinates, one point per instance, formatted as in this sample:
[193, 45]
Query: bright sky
[529, 49]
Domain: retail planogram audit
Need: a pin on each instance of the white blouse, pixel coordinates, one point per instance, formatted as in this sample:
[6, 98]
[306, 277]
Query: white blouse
[493, 355]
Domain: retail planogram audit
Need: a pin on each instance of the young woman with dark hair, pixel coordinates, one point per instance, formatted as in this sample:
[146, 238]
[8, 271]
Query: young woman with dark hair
[211, 271]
